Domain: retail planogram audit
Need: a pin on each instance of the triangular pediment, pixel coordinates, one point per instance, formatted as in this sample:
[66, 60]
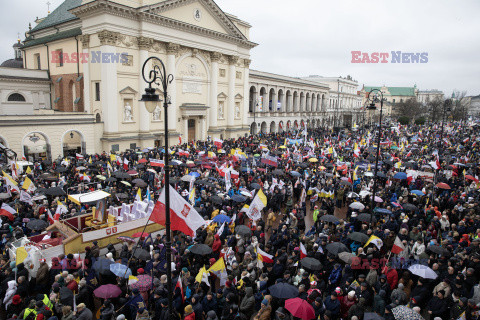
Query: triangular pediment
[202, 13]
[128, 90]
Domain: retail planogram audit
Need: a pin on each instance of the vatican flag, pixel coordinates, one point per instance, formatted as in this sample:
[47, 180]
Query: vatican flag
[375, 240]
[28, 171]
[28, 185]
[202, 276]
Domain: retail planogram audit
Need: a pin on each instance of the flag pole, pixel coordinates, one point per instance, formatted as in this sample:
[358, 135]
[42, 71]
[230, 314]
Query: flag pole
[388, 259]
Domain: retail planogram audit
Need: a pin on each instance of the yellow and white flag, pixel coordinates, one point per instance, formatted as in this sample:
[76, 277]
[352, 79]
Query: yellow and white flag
[10, 182]
[202, 276]
[375, 240]
[258, 203]
[28, 185]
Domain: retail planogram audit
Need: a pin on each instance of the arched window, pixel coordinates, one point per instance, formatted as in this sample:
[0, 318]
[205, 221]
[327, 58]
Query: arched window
[16, 97]
[97, 118]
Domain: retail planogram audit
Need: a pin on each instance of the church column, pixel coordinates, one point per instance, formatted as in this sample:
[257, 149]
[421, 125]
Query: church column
[108, 86]
[86, 73]
[230, 112]
[215, 56]
[144, 44]
[172, 49]
[185, 129]
[246, 93]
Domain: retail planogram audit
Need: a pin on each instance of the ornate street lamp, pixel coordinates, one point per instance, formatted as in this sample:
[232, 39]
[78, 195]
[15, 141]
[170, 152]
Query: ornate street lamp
[158, 76]
[375, 96]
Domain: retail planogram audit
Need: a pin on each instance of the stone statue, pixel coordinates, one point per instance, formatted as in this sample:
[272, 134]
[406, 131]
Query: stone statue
[237, 111]
[127, 111]
[156, 113]
[220, 110]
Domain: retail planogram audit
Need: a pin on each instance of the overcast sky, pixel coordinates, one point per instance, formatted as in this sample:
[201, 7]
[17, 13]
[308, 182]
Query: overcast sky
[316, 37]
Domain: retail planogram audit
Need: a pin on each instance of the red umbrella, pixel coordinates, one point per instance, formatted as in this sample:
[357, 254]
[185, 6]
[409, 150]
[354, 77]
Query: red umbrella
[469, 177]
[143, 160]
[300, 308]
[144, 283]
[7, 214]
[107, 291]
[140, 235]
[443, 185]
[132, 172]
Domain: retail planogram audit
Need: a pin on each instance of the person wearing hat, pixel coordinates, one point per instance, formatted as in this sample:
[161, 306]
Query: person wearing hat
[458, 308]
[346, 302]
[95, 250]
[83, 313]
[16, 306]
[437, 306]
[264, 312]
[189, 314]
[318, 307]
[142, 314]
[29, 313]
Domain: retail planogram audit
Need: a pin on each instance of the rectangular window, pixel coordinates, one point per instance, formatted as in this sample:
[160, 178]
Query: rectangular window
[97, 91]
[115, 147]
[133, 145]
[38, 65]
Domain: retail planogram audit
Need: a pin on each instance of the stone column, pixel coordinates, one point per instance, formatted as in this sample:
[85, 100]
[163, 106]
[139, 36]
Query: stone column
[144, 44]
[246, 93]
[108, 85]
[86, 73]
[265, 101]
[185, 128]
[230, 112]
[215, 56]
[202, 126]
[172, 49]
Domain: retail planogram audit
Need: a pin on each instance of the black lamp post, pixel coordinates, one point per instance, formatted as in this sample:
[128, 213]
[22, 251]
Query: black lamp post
[158, 75]
[375, 96]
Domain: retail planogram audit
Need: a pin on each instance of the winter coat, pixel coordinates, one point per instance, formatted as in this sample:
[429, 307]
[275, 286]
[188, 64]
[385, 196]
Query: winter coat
[247, 306]
[345, 305]
[439, 307]
[264, 313]
[85, 314]
[399, 297]
[379, 303]
[333, 306]
[12, 289]
[43, 274]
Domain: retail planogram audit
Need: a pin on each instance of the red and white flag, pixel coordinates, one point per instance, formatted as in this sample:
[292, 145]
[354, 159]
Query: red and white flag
[79, 156]
[218, 143]
[157, 163]
[7, 211]
[125, 163]
[179, 285]
[303, 251]
[397, 246]
[270, 160]
[356, 153]
[263, 256]
[183, 153]
[184, 217]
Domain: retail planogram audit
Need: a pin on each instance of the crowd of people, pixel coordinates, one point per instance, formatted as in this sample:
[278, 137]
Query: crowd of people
[331, 243]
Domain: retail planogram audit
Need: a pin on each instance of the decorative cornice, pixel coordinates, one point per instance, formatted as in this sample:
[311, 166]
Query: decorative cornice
[127, 41]
[246, 63]
[215, 56]
[108, 37]
[144, 43]
[172, 48]
[85, 39]
[106, 6]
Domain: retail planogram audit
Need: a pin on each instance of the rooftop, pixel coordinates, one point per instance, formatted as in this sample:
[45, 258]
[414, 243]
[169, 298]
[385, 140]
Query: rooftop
[394, 91]
[59, 15]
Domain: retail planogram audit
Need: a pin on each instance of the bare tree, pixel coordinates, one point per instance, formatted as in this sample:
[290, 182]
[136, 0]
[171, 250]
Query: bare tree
[435, 109]
[410, 108]
[459, 107]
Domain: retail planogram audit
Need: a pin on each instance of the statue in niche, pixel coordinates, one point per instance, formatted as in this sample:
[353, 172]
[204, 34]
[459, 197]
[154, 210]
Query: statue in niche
[127, 111]
[156, 113]
[237, 111]
[220, 110]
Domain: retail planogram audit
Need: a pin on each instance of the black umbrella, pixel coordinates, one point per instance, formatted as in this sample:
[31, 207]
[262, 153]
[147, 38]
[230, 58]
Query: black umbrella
[243, 230]
[137, 180]
[345, 183]
[438, 250]
[255, 186]
[55, 191]
[381, 174]
[311, 264]
[283, 290]
[304, 165]
[141, 184]
[61, 169]
[238, 198]
[365, 217]
[199, 182]
[111, 179]
[102, 266]
[201, 249]
[37, 224]
[216, 199]
[329, 218]
[409, 207]
[278, 172]
[358, 236]
[174, 180]
[122, 175]
[336, 247]
[142, 254]
[121, 195]
[66, 296]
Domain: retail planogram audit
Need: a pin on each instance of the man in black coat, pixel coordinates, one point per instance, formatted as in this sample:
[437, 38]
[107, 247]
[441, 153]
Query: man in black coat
[438, 306]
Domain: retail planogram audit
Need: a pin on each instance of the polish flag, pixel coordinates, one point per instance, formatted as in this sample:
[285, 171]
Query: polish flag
[263, 256]
[157, 163]
[466, 140]
[78, 156]
[7, 211]
[183, 153]
[303, 251]
[52, 219]
[409, 178]
[125, 163]
[397, 246]
[409, 154]
[356, 153]
[179, 285]
[179, 139]
[184, 217]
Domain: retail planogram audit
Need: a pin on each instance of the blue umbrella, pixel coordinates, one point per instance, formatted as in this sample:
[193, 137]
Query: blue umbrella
[194, 174]
[383, 211]
[221, 218]
[295, 174]
[120, 270]
[283, 290]
[238, 198]
[102, 266]
[400, 175]
[418, 192]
